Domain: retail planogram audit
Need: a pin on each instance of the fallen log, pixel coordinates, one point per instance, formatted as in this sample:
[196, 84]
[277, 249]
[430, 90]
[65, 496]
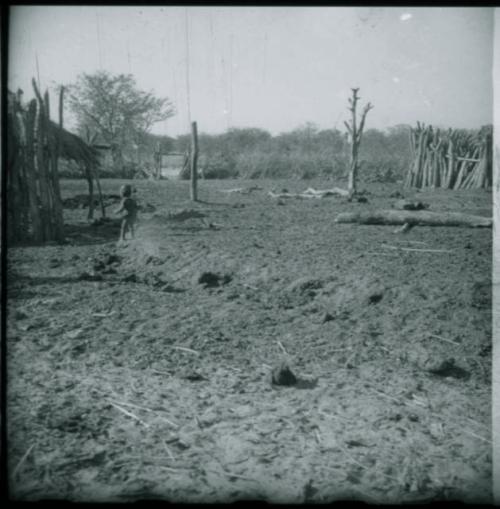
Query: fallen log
[289, 195]
[312, 193]
[320, 193]
[414, 218]
[242, 190]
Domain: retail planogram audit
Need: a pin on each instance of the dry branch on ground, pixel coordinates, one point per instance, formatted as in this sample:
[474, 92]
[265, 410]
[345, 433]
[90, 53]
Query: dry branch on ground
[422, 218]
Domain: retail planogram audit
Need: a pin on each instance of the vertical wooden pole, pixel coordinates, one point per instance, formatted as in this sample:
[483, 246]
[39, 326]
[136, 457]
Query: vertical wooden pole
[31, 173]
[488, 178]
[41, 163]
[194, 162]
[157, 160]
[48, 159]
[90, 182]
[55, 175]
[95, 171]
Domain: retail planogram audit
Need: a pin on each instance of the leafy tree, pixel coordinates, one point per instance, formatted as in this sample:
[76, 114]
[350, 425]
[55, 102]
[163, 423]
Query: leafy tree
[113, 108]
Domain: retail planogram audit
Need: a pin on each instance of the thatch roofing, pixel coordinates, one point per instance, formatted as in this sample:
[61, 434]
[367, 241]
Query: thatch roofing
[71, 147]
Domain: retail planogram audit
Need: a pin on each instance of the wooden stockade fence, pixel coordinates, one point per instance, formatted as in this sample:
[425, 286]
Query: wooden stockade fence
[451, 159]
[34, 146]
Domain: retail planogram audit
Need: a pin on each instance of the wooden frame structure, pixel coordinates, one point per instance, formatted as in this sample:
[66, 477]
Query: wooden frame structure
[34, 146]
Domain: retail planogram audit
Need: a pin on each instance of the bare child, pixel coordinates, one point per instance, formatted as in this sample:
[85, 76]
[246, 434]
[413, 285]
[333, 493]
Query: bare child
[129, 206]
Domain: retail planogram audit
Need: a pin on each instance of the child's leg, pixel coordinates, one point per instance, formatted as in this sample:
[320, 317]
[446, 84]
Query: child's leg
[123, 229]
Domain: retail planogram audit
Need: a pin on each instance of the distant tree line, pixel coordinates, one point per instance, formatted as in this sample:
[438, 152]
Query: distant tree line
[305, 152]
[112, 111]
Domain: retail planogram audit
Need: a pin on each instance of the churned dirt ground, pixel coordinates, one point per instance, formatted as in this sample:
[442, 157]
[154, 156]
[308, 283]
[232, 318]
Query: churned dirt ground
[144, 370]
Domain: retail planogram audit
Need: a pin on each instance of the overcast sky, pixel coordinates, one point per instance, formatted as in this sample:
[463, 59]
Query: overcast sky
[270, 67]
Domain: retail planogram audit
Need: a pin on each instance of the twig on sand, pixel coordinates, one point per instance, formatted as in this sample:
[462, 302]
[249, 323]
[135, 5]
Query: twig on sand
[282, 348]
[161, 372]
[230, 474]
[170, 469]
[443, 339]
[332, 416]
[183, 348]
[414, 249]
[249, 286]
[123, 403]
[317, 436]
[386, 395]
[167, 450]
[476, 436]
[412, 241]
[22, 460]
[130, 414]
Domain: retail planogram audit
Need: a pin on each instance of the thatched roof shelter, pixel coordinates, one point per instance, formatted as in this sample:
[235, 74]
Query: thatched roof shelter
[71, 147]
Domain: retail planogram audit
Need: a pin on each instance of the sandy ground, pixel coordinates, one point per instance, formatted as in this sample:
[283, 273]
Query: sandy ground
[144, 370]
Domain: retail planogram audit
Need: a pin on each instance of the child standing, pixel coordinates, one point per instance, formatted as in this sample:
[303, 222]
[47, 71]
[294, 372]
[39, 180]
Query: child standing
[129, 206]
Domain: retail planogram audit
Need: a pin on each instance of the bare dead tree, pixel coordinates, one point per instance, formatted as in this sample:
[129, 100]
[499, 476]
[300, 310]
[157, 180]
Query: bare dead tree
[355, 133]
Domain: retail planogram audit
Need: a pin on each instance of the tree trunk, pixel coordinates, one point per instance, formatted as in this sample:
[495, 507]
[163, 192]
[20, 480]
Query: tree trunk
[117, 156]
[95, 173]
[353, 170]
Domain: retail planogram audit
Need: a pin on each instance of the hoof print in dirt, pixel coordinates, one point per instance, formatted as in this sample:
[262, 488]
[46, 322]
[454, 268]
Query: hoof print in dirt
[448, 368]
[328, 318]
[154, 260]
[130, 278]
[20, 315]
[112, 259]
[283, 375]
[303, 290]
[212, 280]
[194, 376]
[85, 276]
[355, 443]
[54, 263]
[375, 297]
[168, 288]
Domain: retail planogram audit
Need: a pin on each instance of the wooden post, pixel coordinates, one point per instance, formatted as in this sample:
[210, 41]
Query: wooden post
[58, 209]
[157, 160]
[488, 177]
[90, 181]
[95, 171]
[41, 163]
[194, 161]
[31, 173]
